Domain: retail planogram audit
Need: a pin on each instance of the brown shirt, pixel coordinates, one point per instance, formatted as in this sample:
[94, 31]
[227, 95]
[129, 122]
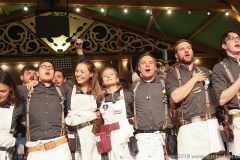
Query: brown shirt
[222, 82]
[195, 103]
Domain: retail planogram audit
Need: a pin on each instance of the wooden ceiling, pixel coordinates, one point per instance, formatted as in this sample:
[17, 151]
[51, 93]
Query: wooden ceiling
[87, 9]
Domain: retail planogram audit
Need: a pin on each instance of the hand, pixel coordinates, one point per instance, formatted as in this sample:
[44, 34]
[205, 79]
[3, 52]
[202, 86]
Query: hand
[78, 44]
[98, 114]
[199, 77]
[31, 84]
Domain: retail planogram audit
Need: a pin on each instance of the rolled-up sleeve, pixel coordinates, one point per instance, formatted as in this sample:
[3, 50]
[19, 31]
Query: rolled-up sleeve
[219, 81]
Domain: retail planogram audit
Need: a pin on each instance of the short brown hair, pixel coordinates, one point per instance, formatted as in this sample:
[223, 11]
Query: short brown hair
[46, 60]
[225, 35]
[181, 41]
[147, 54]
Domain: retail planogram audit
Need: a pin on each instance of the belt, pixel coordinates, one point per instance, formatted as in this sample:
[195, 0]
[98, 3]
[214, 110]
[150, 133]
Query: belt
[203, 118]
[48, 145]
[3, 148]
[79, 126]
[145, 131]
[232, 116]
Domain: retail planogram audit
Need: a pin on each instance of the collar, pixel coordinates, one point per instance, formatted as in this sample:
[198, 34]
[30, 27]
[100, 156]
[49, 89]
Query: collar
[106, 94]
[184, 67]
[155, 80]
[231, 59]
[79, 91]
[6, 105]
[52, 84]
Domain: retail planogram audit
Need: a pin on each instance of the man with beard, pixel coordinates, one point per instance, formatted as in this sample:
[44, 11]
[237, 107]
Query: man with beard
[189, 88]
[28, 74]
[227, 90]
[45, 139]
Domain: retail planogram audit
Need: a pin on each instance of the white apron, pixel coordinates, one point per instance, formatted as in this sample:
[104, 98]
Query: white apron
[198, 139]
[236, 140]
[83, 109]
[150, 146]
[6, 139]
[116, 112]
[60, 152]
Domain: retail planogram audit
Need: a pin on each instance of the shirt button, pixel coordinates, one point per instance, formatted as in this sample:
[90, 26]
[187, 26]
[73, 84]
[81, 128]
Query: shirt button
[45, 132]
[46, 103]
[151, 127]
[150, 108]
[45, 122]
[46, 112]
[46, 95]
[150, 117]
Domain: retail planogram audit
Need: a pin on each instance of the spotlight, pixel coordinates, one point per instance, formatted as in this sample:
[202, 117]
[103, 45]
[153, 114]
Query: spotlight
[148, 11]
[97, 64]
[25, 8]
[208, 13]
[125, 62]
[189, 12]
[36, 65]
[78, 9]
[20, 65]
[125, 10]
[169, 11]
[4, 66]
[102, 9]
[196, 60]
[226, 13]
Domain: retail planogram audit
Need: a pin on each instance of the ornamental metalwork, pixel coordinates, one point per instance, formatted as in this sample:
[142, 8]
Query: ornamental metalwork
[105, 38]
[16, 39]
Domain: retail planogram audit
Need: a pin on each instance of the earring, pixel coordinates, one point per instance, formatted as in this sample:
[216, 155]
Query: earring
[90, 78]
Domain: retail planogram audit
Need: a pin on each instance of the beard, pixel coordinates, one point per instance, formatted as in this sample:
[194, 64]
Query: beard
[185, 61]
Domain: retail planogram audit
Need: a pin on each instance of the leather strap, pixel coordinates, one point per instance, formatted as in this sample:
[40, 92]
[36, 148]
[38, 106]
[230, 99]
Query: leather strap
[232, 116]
[3, 148]
[203, 118]
[81, 125]
[47, 146]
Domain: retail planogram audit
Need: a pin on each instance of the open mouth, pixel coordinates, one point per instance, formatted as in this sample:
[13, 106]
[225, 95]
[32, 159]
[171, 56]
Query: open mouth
[47, 73]
[147, 70]
[237, 45]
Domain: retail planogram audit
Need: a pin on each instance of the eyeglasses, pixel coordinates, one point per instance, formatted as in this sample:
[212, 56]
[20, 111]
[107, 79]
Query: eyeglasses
[233, 39]
[46, 67]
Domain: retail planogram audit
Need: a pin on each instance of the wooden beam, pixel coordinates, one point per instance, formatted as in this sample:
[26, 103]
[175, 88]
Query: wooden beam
[154, 4]
[139, 29]
[205, 25]
[105, 12]
[5, 10]
[236, 9]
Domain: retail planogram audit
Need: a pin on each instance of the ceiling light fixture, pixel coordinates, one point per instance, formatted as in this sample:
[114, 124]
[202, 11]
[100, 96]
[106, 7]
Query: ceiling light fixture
[208, 13]
[125, 10]
[25, 8]
[226, 13]
[102, 9]
[148, 10]
[169, 11]
[78, 9]
[189, 12]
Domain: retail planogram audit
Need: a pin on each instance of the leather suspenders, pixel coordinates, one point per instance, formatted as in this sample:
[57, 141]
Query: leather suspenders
[208, 113]
[164, 101]
[27, 113]
[225, 66]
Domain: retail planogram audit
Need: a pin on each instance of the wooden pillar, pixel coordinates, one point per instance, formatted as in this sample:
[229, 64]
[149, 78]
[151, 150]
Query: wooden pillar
[120, 65]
